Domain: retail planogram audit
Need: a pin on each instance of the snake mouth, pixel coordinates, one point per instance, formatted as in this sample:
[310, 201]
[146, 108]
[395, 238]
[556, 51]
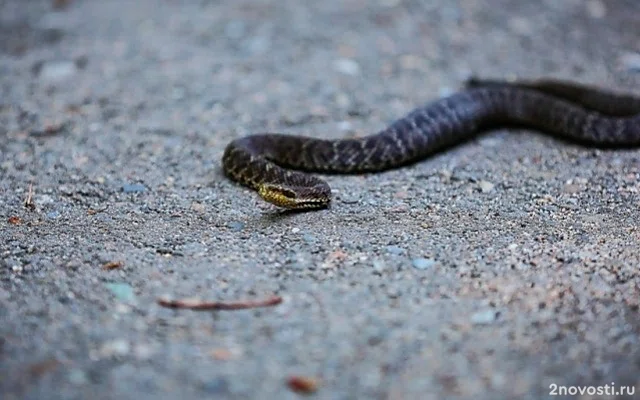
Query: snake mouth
[289, 198]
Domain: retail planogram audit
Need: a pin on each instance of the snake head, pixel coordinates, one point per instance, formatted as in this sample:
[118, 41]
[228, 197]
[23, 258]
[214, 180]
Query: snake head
[293, 197]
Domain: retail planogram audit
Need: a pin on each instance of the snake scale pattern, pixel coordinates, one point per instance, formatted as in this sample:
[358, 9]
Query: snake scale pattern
[572, 111]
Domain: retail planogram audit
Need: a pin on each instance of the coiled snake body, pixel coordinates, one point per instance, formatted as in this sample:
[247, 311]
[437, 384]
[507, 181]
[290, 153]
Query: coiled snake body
[575, 112]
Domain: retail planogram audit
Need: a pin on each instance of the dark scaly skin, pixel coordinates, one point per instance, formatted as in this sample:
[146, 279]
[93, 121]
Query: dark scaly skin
[571, 111]
[589, 97]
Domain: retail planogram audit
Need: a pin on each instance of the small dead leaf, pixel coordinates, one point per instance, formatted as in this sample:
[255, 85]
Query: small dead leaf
[112, 265]
[303, 384]
[14, 220]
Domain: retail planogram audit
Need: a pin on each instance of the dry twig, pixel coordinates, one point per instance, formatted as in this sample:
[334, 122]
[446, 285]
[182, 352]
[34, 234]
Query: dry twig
[28, 202]
[200, 305]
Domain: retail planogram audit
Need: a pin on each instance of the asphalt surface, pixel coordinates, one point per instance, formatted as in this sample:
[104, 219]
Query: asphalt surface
[494, 270]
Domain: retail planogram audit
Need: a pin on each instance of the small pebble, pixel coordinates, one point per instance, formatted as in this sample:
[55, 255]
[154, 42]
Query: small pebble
[53, 214]
[423, 263]
[308, 238]
[379, 266]
[57, 70]
[295, 230]
[236, 226]
[117, 347]
[133, 188]
[10, 262]
[122, 291]
[485, 186]
[346, 66]
[396, 250]
[484, 317]
[349, 198]
[198, 207]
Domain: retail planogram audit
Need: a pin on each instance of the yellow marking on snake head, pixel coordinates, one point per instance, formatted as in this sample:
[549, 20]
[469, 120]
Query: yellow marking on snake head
[287, 198]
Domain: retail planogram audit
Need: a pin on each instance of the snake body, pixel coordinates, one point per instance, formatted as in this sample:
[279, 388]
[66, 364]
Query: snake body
[266, 162]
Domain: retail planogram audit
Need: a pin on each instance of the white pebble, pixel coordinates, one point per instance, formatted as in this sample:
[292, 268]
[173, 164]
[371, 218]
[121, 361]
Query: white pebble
[57, 70]
[486, 186]
[484, 317]
[346, 66]
[118, 347]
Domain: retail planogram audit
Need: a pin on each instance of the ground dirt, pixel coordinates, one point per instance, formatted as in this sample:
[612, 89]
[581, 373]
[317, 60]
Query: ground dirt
[494, 270]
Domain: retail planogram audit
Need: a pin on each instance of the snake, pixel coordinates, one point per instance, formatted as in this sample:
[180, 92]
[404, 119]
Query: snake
[279, 166]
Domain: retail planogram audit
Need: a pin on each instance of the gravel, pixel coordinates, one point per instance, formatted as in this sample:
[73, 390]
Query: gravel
[423, 263]
[493, 270]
